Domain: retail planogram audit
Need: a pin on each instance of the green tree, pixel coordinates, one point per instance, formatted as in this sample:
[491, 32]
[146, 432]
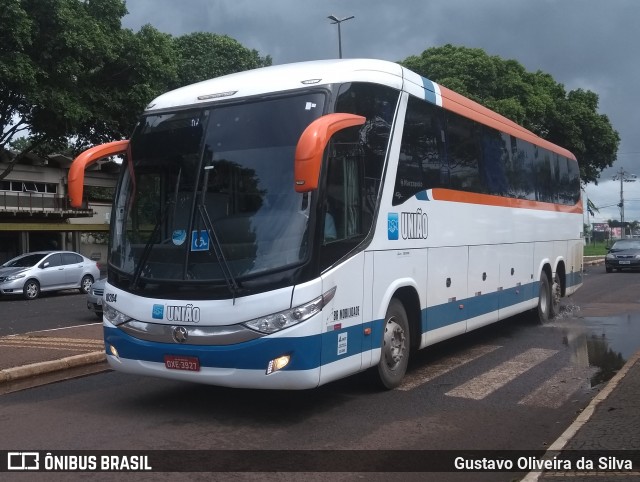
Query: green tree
[71, 76]
[69, 71]
[202, 56]
[532, 99]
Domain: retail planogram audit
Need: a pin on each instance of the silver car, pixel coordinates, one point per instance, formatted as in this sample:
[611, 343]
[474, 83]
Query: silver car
[32, 273]
[94, 298]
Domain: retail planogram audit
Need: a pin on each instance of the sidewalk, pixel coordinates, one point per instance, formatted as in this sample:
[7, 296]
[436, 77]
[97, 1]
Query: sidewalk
[54, 353]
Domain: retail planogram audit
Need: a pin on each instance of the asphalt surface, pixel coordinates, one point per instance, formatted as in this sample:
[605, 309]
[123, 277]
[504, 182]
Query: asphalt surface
[603, 443]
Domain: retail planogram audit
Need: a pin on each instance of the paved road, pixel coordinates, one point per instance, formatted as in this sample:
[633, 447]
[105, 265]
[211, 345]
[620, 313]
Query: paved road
[55, 310]
[535, 380]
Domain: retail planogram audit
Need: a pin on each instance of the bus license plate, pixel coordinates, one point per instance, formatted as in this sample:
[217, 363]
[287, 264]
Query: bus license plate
[188, 363]
[624, 262]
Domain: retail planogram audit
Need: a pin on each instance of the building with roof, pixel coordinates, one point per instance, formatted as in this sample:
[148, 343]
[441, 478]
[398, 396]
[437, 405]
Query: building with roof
[35, 212]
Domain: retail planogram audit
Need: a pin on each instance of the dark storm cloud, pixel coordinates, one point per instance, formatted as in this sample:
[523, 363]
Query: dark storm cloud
[588, 44]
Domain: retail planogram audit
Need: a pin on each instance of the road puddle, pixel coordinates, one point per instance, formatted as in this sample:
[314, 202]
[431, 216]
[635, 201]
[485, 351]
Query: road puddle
[603, 343]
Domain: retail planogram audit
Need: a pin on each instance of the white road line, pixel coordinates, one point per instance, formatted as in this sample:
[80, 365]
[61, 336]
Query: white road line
[558, 389]
[434, 370]
[482, 386]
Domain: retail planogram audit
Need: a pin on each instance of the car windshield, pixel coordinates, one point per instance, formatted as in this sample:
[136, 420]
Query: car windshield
[209, 193]
[626, 244]
[24, 261]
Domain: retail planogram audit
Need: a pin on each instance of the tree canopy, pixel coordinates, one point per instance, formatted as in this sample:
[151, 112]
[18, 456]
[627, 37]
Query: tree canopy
[69, 71]
[532, 99]
[202, 56]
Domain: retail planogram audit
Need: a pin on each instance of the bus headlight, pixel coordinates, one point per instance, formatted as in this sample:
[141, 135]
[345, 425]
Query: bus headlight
[284, 319]
[114, 316]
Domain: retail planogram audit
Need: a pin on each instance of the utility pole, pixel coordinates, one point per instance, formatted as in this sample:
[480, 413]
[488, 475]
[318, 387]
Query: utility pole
[623, 176]
[338, 21]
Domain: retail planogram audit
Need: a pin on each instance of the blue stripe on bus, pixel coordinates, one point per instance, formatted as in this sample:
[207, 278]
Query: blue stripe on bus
[429, 91]
[574, 279]
[446, 314]
[313, 351]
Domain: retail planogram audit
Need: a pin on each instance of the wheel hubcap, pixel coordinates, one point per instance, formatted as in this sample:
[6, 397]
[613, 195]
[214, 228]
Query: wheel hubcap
[394, 343]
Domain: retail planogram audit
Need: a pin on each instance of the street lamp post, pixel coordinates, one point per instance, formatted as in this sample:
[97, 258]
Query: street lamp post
[623, 176]
[338, 21]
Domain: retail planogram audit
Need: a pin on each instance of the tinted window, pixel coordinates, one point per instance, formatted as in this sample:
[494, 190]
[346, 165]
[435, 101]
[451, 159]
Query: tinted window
[25, 261]
[54, 260]
[626, 244]
[463, 152]
[467, 156]
[422, 164]
[354, 168]
[71, 258]
[494, 161]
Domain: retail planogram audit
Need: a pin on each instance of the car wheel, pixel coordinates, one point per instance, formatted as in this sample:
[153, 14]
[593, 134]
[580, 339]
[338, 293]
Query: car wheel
[85, 284]
[609, 270]
[395, 346]
[31, 289]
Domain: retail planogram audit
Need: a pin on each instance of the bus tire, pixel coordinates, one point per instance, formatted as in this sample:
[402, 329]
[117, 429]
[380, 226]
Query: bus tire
[395, 346]
[548, 298]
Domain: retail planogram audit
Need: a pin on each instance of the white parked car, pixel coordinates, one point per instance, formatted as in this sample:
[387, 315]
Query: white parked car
[32, 273]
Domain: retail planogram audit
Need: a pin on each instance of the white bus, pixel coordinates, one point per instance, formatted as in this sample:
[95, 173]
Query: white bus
[289, 226]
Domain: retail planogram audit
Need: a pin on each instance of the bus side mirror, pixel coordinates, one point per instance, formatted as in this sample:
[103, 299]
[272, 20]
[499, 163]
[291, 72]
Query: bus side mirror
[311, 145]
[84, 160]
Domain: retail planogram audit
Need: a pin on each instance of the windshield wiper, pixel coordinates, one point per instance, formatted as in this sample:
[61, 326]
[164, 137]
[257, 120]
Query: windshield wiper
[147, 249]
[217, 249]
[215, 242]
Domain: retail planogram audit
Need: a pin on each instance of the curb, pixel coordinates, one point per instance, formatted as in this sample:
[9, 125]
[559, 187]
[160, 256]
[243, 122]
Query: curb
[19, 373]
[591, 260]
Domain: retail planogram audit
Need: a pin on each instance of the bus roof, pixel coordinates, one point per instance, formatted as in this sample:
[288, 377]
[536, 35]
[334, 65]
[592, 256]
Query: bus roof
[280, 78]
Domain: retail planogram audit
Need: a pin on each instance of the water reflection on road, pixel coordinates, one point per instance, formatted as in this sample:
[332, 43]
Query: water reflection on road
[602, 343]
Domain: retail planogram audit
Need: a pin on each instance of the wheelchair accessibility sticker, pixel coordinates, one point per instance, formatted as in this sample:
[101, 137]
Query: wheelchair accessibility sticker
[199, 240]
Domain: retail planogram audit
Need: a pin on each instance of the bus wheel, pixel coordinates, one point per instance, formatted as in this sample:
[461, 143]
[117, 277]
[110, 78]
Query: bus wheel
[548, 299]
[395, 346]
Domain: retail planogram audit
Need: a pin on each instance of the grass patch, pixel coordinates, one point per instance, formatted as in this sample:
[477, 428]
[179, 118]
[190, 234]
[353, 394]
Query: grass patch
[595, 249]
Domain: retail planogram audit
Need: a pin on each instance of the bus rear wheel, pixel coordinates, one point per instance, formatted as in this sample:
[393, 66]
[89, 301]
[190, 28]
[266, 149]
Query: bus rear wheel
[395, 346]
[548, 298]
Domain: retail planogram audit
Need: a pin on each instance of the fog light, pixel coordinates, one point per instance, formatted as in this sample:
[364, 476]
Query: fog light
[113, 351]
[278, 364]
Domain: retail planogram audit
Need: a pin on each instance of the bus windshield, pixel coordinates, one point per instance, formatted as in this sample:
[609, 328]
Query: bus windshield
[209, 193]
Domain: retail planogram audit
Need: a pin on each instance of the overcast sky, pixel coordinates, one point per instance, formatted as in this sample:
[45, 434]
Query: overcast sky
[588, 44]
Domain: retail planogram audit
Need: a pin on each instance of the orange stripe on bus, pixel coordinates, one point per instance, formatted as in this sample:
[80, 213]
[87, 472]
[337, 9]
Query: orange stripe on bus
[491, 200]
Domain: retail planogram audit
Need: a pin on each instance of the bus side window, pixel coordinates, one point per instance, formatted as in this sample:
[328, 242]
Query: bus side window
[342, 211]
[422, 163]
[343, 203]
